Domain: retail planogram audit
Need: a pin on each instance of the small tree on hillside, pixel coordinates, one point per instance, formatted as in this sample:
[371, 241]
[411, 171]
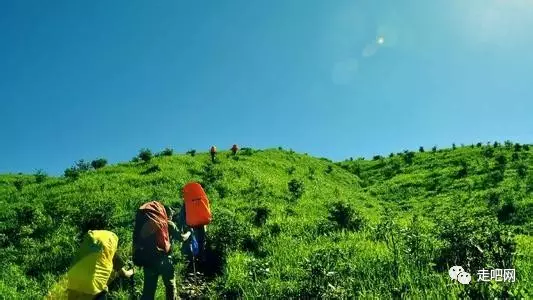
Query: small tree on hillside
[421, 149]
[408, 157]
[434, 149]
[82, 165]
[521, 170]
[296, 188]
[508, 144]
[501, 161]
[517, 147]
[479, 145]
[515, 156]
[99, 163]
[496, 144]
[167, 152]
[191, 152]
[19, 184]
[40, 176]
[72, 173]
[453, 146]
[145, 155]
[526, 147]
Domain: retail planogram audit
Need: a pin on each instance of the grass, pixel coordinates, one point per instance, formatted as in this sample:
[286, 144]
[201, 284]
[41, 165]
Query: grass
[383, 228]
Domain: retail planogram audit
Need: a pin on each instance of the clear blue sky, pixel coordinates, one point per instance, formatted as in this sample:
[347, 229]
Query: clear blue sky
[88, 79]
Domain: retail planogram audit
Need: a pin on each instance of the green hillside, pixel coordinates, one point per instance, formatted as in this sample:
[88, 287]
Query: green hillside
[290, 225]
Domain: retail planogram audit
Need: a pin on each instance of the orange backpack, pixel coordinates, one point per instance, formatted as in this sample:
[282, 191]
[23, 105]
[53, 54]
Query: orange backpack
[150, 234]
[197, 211]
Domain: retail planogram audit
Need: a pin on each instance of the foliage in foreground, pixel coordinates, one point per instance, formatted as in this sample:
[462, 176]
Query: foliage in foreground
[289, 225]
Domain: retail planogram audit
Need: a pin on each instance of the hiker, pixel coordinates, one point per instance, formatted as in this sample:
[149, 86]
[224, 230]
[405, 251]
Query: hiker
[152, 238]
[193, 218]
[234, 149]
[213, 152]
[95, 266]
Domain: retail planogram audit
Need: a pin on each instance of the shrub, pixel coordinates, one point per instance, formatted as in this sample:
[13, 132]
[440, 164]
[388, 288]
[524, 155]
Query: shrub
[517, 147]
[248, 151]
[453, 146]
[191, 152]
[377, 157]
[99, 163]
[311, 174]
[521, 170]
[344, 216]
[150, 170]
[19, 184]
[408, 157]
[329, 169]
[167, 152]
[434, 149]
[291, 170]
[261, 215]
[479, 145]
[296, 188]
[501, 161]
[515, 156]
[72, 173]
[40, 176]
[421, 149]
[391, 155]
[82, 166]
[525, 147]
[280, 148]
[488, 152]
[496, 144]
[135, 159]
[507, 212]
[145, 155]
[463, 171]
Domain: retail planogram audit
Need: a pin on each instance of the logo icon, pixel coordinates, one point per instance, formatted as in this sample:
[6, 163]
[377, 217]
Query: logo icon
[459, 274]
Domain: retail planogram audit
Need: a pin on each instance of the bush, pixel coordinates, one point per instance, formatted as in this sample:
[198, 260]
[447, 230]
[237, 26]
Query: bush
[377, 157]
[345, 216]
[248, 151]
[99, 163]
[515, 156]
[72, 173]
[19, 184]
[463, 171]
[525, 147]
[150, 170]
[479, 145]
[82, 166]
[191, 152]
[488, 152]
[421, 149]
[517, 147]
[453, 146]
[501, 161]
[496, 145]
[408, 157]
[261, 215]
[40, 176]
[521, 170]
[296, 188]
[434, 149]
[291, 170]
[145, 155]
[167, 152]
[329, 169]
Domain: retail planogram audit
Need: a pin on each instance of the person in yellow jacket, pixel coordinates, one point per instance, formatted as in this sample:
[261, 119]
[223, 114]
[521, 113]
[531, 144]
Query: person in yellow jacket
[95, 266]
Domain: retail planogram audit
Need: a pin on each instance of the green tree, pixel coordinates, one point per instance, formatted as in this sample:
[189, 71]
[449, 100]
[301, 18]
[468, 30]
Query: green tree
[145, 155]
[40, 176]
[99, 163]
[421, 149]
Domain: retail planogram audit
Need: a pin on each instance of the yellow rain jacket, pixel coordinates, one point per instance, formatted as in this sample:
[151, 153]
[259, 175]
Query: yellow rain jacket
[93, 265]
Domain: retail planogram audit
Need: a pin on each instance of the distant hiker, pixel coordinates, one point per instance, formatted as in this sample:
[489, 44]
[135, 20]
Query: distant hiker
[152, 237]
[213, 152]
[194, 216]
[234, 149]
[95, 266]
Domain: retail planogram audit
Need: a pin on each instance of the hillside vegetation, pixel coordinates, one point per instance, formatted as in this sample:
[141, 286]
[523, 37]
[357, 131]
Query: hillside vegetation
[290, 225]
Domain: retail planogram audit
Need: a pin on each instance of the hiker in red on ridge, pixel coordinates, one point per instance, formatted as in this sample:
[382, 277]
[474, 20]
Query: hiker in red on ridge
[213, 152]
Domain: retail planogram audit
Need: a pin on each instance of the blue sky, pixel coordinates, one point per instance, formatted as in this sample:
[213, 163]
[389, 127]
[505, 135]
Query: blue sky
[331, 78]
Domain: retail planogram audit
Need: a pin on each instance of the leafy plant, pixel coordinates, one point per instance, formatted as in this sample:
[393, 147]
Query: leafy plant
[296, 188]
[99, 163]
[145, 155]
[40, 176]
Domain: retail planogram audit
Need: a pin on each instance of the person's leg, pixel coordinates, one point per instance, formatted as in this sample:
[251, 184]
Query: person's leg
[169, 278]
[150, 283]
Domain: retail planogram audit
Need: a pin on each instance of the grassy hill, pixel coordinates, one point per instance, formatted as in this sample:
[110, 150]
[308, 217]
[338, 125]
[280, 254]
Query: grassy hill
[290, 225]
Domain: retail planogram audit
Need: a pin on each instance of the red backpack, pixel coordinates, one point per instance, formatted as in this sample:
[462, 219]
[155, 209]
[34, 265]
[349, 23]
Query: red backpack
[150, 234]
[197, 210]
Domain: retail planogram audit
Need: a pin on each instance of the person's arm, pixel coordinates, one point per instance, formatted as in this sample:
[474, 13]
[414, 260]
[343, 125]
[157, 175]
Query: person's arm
[120, 266]
[173, 231]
